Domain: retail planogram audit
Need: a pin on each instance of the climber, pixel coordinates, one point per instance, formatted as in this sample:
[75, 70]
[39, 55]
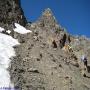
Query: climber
[84, 61]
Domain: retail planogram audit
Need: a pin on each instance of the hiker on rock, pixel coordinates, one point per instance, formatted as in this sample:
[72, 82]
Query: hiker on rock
[84, 64]
[84, 60]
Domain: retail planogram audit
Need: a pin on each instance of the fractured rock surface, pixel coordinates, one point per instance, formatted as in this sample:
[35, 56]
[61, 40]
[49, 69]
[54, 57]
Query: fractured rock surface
[41, 64]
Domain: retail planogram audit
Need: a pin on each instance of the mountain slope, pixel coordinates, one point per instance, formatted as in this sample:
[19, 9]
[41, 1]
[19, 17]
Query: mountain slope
[43, 64]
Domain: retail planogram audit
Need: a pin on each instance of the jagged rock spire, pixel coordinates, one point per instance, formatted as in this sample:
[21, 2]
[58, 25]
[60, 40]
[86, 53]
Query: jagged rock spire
[47, 12]
[47, 19]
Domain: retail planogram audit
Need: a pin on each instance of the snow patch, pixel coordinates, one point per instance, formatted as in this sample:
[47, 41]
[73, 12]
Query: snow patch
[8, 31]
[7, 51]
[1, 29]
[20, 29]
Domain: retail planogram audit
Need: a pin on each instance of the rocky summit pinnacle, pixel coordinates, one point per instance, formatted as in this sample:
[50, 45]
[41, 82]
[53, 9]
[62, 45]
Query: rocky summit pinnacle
[47, 18]
[47, 12]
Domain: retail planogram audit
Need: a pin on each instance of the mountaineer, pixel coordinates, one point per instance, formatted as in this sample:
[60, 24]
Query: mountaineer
[84, 64]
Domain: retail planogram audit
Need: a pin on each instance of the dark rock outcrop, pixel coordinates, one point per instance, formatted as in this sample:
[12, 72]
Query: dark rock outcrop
[11, 12]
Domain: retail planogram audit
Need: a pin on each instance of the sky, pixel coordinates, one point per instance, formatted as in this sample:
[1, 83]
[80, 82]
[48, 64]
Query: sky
[74, 15]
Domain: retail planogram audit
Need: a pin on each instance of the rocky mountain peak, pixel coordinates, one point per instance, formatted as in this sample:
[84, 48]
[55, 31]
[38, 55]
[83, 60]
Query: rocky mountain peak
[47, 18]
[47, 12]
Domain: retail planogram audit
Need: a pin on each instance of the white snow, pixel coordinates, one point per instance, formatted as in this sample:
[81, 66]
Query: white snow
[8, 31]
[1, 29]
[20, 29]
[6, 52]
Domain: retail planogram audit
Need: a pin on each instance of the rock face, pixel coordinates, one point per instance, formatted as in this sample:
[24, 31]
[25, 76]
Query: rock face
[44, 61]
[11, 12]
[47, 59]
[47, 19]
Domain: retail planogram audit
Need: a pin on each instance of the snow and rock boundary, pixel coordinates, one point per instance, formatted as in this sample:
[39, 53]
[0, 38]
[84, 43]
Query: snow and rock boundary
[7, 44]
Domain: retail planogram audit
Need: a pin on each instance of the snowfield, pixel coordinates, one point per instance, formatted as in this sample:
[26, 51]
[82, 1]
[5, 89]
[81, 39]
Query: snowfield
[6, 52]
